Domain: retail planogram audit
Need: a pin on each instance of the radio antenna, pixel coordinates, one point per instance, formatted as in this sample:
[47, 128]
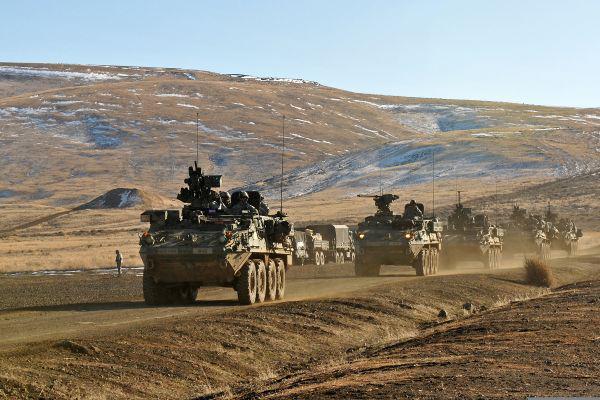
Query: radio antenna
[380, 182]
[433, 180]
[282, 155]
[197, 135]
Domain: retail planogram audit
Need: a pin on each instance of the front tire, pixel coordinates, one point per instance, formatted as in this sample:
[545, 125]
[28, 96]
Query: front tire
[246, 284]
[261, 281]
[154, 293]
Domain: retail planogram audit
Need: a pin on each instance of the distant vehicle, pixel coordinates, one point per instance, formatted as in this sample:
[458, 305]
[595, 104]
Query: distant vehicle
[471, 238]
[388, 239]
[568, 234]
[206, 244]
[528, 234]
[322, 243]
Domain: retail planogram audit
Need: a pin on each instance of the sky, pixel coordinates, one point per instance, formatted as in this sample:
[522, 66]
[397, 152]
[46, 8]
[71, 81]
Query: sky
[526, 51]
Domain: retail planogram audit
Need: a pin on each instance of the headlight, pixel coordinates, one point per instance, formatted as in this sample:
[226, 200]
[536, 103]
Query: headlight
[361, 235]
[407, 235]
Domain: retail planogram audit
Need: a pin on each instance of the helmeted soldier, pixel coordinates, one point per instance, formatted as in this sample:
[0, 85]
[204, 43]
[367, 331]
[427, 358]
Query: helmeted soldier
[243, 205]
[412, 210]
[225, 199]
[263, 208]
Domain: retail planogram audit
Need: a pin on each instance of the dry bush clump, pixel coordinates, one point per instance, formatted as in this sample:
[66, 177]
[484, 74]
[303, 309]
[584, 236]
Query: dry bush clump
[539, 273]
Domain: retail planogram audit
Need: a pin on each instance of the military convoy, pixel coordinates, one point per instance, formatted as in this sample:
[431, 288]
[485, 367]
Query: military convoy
[409, 238]
[210, 244]
[469, 237]
[234, 241]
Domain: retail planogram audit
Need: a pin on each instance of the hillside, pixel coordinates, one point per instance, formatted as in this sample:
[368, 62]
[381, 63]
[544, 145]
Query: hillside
[68, 132]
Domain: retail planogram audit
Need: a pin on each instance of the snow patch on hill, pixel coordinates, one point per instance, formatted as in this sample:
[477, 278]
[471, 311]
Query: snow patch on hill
[121, 198]
[47, 73]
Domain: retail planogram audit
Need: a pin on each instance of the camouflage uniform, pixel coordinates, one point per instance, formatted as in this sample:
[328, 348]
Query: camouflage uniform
[243, 205]
[412, 211]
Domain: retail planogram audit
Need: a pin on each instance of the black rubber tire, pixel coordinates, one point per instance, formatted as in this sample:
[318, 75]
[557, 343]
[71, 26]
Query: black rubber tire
[435, 261]
[154, 293]
[271, 271]
[261, 281]
[246, 284]
[419, 264]
[352, 256]
[280, 270]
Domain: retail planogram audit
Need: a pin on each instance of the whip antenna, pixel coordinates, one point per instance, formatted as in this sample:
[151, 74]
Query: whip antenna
[197, 136]
[282, 154]
[433, 181]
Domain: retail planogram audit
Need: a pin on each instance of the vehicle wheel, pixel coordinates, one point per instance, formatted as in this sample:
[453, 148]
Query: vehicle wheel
[352, 256]
[323, 259]
[246, 284]
[435, 257]
[271, 281]
[499, 259]
[154, 293]
[544, 251]
[488, 259]
[342, 257]
[261, 281]
[280, 270]
[419, 263]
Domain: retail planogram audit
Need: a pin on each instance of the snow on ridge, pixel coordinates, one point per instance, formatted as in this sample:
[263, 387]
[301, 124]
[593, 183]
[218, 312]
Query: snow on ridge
[303, 121]
[273, 79]
[309, 139]
[46, 73]
[188, 105]
[297, 108]
[171, 95]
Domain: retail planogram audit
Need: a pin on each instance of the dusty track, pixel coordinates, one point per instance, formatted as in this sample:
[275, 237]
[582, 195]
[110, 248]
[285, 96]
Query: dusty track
[119, 348]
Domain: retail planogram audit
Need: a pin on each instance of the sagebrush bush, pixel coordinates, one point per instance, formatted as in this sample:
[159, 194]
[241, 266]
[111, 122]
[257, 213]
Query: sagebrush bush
[539, 273]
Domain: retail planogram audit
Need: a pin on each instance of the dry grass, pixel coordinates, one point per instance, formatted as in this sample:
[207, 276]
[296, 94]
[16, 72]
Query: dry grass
[539, 273]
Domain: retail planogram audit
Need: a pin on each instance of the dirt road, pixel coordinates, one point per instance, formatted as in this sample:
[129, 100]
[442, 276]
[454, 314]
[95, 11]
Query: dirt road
[53, 307]
[90, 336]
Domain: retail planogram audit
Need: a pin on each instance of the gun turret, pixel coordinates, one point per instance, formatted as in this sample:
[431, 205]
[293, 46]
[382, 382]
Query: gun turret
[382, 202]
[199, 193]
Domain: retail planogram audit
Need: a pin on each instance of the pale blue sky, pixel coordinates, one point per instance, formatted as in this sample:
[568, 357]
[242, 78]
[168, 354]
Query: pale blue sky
[542, 52]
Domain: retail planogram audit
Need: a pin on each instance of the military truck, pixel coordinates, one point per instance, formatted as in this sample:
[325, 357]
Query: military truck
[527, 234]
[341, 245]
[205, 245]
[388, 239]
[470, 237]
[309, 247]
[567, 236]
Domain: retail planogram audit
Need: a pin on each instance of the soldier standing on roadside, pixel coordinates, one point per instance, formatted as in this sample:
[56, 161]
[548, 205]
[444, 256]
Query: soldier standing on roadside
[118, 260]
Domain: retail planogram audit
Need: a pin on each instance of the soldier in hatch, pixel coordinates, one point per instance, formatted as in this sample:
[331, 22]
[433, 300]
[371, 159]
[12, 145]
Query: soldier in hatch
[225, 199]
[263, 209]
[412, 211]
[243, 205]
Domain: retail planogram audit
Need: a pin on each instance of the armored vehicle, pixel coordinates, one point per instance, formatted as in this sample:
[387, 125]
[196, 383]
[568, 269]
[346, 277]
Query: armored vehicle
[527, 234]
[567, 235]
[471, 238]
[309, 247]
[209, 244]
[388, 239]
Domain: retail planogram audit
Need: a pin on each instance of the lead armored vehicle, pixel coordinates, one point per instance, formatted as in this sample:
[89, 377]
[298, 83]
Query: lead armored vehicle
[471, 237]
[388, 239]
[205, 244]
[528, 234]
[567, 235]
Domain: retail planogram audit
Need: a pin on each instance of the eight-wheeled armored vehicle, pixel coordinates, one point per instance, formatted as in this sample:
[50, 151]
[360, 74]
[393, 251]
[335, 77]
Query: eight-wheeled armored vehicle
[388, 239]
[567, 237]
[471, 238]
[528, 234]
[205, 244]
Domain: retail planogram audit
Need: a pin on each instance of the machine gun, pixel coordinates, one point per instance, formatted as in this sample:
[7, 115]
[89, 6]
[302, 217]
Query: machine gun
[199, 193]
[382, 202]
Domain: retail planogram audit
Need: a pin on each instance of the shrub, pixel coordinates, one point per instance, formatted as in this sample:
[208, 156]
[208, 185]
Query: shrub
[538, 272]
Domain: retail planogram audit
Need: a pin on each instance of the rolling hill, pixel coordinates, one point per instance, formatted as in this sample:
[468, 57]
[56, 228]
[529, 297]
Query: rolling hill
[70, 132]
